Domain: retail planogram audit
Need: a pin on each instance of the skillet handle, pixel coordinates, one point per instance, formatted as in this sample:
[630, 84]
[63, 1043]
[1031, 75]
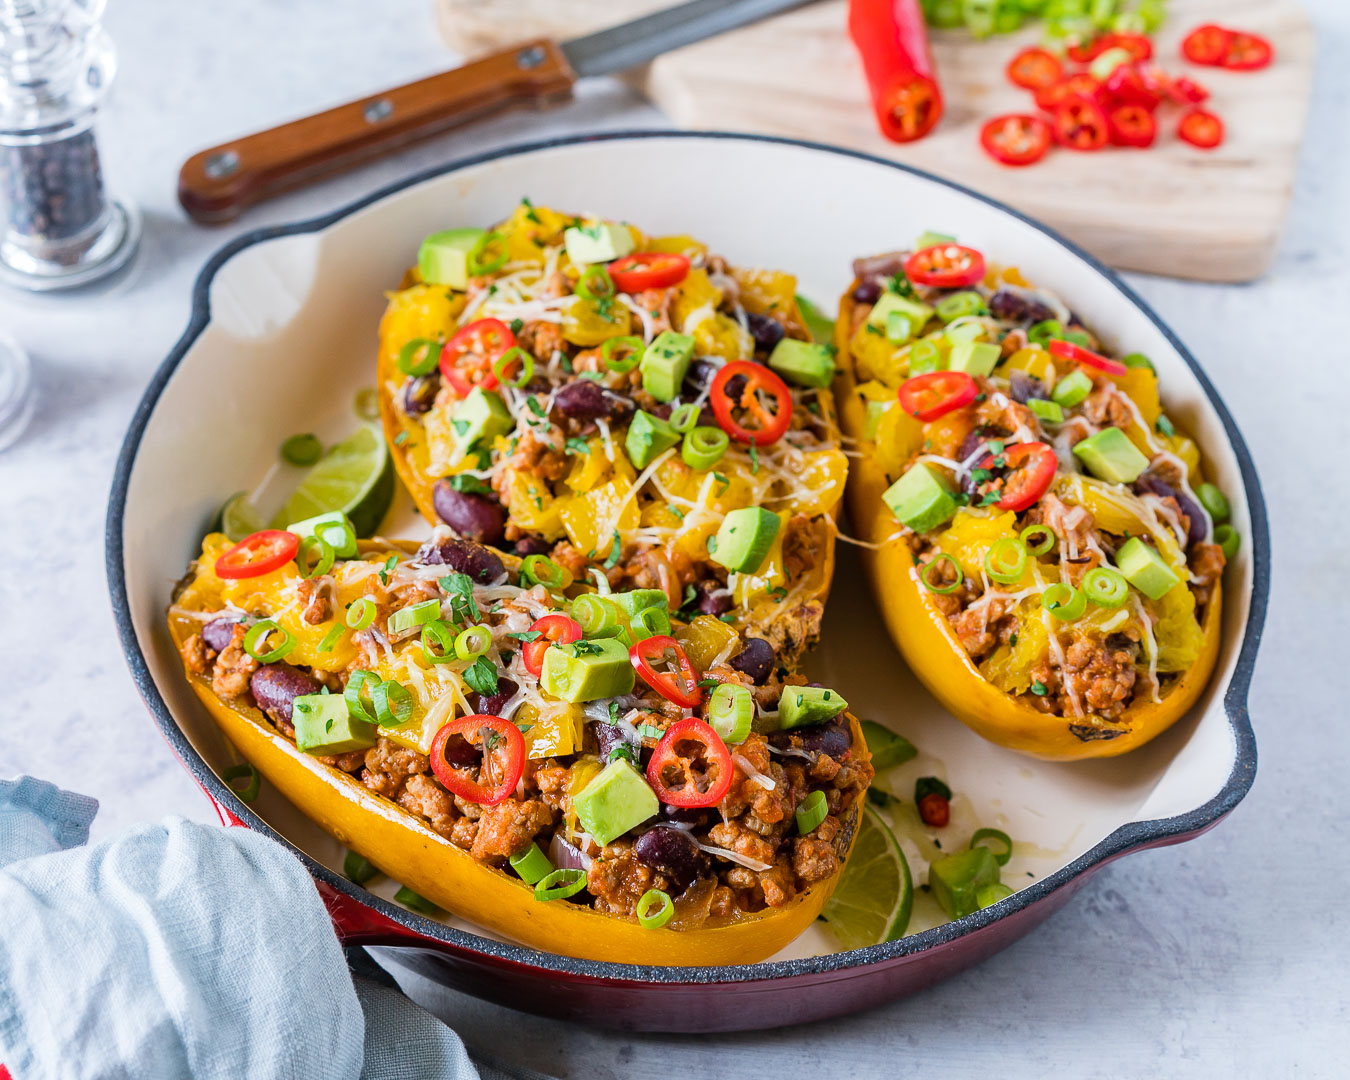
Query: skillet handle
[216, 184]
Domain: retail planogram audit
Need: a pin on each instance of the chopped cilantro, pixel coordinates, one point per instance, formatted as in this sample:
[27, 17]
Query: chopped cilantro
[461, 427]
[1012, 640]
[614, 712]
[400, 438]
[567, 364]
[623, 750]
[705, 683]
[615, 552]
[990, 498]
[712, 545]
[459, 588]
[1039, 688]
[470, 485]
[979, 476]
[575, 445]
[727, 618]
[677, 512]
[534, 406]
[525, 635]
[389, 565]
[586, 648]
[517, 325]
[481, 676]
[754, 460]
[594, 376]
[1165, 425]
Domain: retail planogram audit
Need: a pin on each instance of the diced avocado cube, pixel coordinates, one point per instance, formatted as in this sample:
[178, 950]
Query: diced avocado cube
[648, 437]
[1071, 389]
[974, 357]
[443, 258]
[602, 242]
[329, 528]
[1144, 568]
[891, 303]
[618, 799]
[803, 362]
[1109, 455]
[920, 499]
[932, 239]
[635, 600]
[802, 706]
[886, 747]
[956, 880]
[962, 333]
[587, 670]
[872, 420]
[1049, 411]
[745, 538]
[324, 725]
[480, 418]
[665, 364]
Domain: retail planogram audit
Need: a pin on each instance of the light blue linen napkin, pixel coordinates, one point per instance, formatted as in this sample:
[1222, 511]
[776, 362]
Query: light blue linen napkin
[181, 950]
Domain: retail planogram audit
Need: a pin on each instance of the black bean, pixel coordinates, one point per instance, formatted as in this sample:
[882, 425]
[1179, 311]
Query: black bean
[734, 388]
[276, 686]
[767, 332]
[699, 375]
[480, 518]
[480, 563]
[832, 739]
[687, 815]
[1024, 387]
[868, 291]
[532, 545]
[461, 753]
[756, 659]
[582, 399]
[671, 851]
[491, 704]
[1012, 306]
[419, 393]
[218, 632]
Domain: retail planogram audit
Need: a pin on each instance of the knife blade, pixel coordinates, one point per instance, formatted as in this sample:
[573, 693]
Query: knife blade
[215, 185]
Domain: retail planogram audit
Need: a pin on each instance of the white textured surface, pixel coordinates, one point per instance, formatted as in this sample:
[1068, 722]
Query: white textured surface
[1227, 956]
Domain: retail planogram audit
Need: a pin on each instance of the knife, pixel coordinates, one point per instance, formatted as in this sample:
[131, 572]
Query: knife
[216, 184]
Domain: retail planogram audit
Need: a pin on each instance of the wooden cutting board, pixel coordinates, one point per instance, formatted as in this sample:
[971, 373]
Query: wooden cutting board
[1173, 210]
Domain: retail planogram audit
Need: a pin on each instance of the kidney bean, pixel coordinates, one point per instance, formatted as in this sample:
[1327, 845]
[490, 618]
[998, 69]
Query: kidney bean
[419, 393]
[1024, 387]
[687, 815]
[491, 704]
[869, 291]
[480, 563]
[832, 739]
[1014, 307]
[582, 399]
[610, 736]
[756, 659]
[767, 332]
[886, 265]
[461, 753]
[218, 632]
[480, 518]
[532, 545]
[671, 851]
[276, 686]
[1153, 484]
[708, 604]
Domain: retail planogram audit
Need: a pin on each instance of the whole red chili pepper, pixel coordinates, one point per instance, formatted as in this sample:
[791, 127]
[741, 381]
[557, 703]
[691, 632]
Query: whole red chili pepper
[892, 40]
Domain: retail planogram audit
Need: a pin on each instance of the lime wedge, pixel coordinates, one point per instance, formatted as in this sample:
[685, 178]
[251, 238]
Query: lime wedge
[355, 476]
[873, 900]
[239, 518]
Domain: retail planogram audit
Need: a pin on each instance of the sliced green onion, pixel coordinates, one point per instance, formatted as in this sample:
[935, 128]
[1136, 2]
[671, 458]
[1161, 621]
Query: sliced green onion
[560, 884]
[1077, 337]
[249, 791]
[596, 616]
[416, 901]
[1064, 602]
[438, 642]
[410, 618]
[257, 633]
[508, 358]
[991, 894]
[1106, 587]
[331, 638]
[1050, 412]
[1227, 538]
[1138, 359]
[531, 864]
[322, 565]
[341, 535]
[927, 575]
[483, 260]
[650, 731]
[595, 283]
[473, 642]
[652, 621]
[366, 404]
[393, 703]
[419, 357]
[361, 613]
[684, 418]
[1041, 546]
[654, 909]
[960, 304]
[1213, 500]
[633, 349]
[924, 356]
[1006, 561]
[358, 868]
[1071, 389]
[811, 811]
[352, 695]
[301, 450]
[602, 585]
[1000, 857]
[541, 570]
[1045, 332]
[730, 712]
[704, 446]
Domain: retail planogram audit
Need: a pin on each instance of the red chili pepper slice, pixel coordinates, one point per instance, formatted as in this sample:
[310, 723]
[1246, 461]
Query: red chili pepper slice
[649, 270]
[1081, 125]
[936, 393]
[1247, 52]
[1084, 52]
[1127, 85]
[1200, 128]
[1207, 44]
[1031, 470]
[673, 771]
[466, 359]
[1137, 45]
[258, 554]
[1067, 350]
[555, 629]
[485, 733]
[1034, 68]
[680, 685]
[1186, 91]
[1132, 125]
[945, 266]
[1016, 139]
[758, 380]
[892, 41]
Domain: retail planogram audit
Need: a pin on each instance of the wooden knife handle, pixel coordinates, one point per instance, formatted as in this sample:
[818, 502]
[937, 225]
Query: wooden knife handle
[216, 184]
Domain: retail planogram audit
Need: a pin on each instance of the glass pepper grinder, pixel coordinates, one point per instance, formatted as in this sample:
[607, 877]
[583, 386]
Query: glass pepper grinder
[60, 229]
